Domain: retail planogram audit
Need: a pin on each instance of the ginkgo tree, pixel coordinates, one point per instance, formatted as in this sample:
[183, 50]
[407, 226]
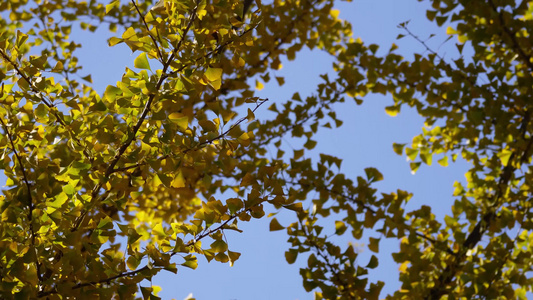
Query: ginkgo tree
[106, 190]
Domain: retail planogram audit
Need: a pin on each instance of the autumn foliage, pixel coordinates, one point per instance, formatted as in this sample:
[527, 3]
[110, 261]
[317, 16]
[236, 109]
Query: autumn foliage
[105, 190]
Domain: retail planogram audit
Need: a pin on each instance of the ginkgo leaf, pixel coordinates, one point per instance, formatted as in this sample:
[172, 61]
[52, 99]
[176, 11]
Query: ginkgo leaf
[248, 180]
[141, 62]
[443, 161]
[213, 74]
[374, 244]
[233, 257]
[180, 120]
[392, 110]
[111, 6]
[373, 263]
[275, 225]
[373, 175]
[114, 41]
[291, 256]
[178, 181]
[340, 227]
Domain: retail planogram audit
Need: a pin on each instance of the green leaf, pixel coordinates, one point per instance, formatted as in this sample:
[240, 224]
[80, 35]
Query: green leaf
[111, 93]
[21, 39]
[132, 262]
[141, 62]
[105, 223]
[310, 144]
[234, 204]
[190, 262]
[219, 246]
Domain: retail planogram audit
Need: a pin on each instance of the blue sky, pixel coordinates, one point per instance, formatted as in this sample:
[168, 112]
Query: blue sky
[365, 140]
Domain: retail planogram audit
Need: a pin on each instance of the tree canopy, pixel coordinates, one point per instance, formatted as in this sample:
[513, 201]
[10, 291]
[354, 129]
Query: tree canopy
[105, 190]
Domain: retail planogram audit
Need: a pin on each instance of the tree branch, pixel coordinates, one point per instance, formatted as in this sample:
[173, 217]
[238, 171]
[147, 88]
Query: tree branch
[30, 198]
[147, 108]
[474, 237]
[148, 29]
[525, 58]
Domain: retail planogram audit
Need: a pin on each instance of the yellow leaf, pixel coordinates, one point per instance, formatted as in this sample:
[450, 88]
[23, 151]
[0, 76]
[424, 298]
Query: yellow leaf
[398, 148]
[233, 256]
[159, 230]
[504, 156]
[462, 39]
[112, 5]
[250, 115]
[178, 181]
[340, 227]
[113, 41]
[403, 267]
[216, 84]
[219, 246]
[213, 74]
[443, 161]
[177, 118]
[258, 85]
[58, 67]
[129, 33]
[450, 30]
[244, 139]
[392, 110]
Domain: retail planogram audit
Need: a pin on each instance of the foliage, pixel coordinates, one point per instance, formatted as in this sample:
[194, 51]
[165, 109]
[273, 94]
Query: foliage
[106, 190]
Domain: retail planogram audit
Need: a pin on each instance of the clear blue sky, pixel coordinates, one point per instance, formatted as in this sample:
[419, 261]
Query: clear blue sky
[365, 140]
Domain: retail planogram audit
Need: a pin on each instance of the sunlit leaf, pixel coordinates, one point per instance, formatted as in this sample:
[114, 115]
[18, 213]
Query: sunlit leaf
[141, 62]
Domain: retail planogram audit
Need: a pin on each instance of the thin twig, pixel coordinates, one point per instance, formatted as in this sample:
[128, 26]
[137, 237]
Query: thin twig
[135, 272]
[148, 29]
[30, 198]
[196, 147]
